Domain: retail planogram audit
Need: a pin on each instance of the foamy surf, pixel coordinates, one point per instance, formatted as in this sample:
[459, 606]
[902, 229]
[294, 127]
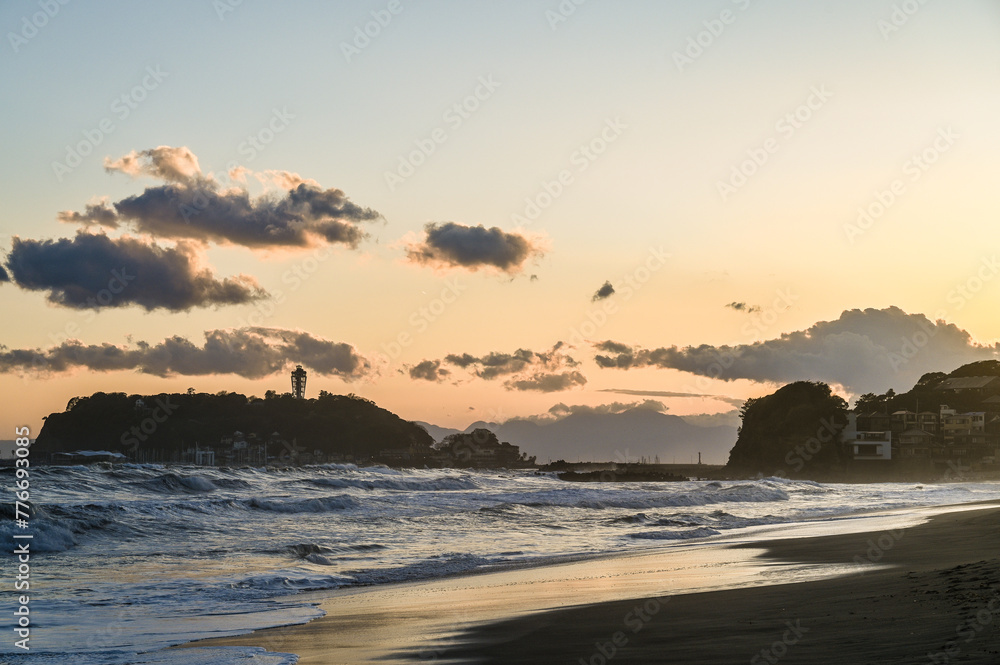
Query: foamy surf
[137, 558]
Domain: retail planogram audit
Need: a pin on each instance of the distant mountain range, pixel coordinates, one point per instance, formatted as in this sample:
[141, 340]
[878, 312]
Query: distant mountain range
[610, 437]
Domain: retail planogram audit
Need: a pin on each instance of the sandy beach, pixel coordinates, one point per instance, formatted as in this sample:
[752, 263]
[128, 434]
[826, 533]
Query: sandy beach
[926, 593]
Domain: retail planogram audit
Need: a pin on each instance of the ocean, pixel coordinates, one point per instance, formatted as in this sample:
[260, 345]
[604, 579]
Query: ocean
[127, 560]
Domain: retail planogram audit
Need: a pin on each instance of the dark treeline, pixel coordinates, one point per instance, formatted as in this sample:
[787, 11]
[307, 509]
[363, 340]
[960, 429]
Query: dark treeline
[796, 431]
[339, 424]
[925, 396]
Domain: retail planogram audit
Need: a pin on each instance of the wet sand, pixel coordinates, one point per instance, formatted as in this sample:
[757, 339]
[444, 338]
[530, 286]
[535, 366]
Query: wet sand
[926, 593]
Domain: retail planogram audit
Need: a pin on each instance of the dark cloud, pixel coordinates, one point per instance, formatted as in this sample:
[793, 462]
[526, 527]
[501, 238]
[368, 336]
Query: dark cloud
[547, 382]
[462, 361]
[429, 370]
[93, 270]
[612, 347]
[193, 206]
[252, 353]
[606, 291]
[524, 369]
[499, 364]
[743, 307]
[495, 364]
[667, 393]
[863, 350]
[4, 277]
[303, 217]
[95, 213]
[452, 245]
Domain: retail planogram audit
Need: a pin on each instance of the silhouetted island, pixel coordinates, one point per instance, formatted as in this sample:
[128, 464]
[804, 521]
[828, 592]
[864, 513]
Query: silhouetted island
[232, 429]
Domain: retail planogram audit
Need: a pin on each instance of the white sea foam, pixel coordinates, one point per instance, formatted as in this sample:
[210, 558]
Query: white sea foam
[199, 551]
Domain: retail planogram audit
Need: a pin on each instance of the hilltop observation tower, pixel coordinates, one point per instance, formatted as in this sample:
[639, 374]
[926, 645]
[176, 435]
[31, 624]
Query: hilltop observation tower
[299, 382]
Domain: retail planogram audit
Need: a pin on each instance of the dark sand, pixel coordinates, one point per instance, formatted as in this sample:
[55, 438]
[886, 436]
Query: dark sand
[936, 600]
[939, 602]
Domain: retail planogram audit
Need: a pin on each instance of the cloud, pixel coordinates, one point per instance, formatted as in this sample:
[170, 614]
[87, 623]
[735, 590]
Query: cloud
[93, 270]
[743, 307]
[723, 419]
[666, 393]
[283, 179]
[252, 353]
[612, 347]
[193, 206]
[162, 162]
[429, 370]
[303, 217]
[4, 277]
[547, 382]
[524, 369]
[495, 364]
[94, 213]
[864, 350]
[451, 245]
[606, 291]
[562, 410]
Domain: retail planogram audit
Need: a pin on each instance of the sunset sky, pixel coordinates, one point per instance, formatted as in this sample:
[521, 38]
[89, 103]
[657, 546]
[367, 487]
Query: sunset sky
[204, 194]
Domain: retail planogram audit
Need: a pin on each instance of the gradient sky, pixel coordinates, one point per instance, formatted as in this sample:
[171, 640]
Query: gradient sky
[888, 93]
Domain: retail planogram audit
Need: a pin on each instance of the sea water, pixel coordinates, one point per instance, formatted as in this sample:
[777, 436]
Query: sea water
[127, 560]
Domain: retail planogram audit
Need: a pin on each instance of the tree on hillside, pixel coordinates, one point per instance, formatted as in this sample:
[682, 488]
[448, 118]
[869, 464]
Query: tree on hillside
[980, 368]
[795, 431]
[872, 403]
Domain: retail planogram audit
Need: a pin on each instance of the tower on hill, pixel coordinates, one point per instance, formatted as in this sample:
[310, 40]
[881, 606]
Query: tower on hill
[299, 382]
